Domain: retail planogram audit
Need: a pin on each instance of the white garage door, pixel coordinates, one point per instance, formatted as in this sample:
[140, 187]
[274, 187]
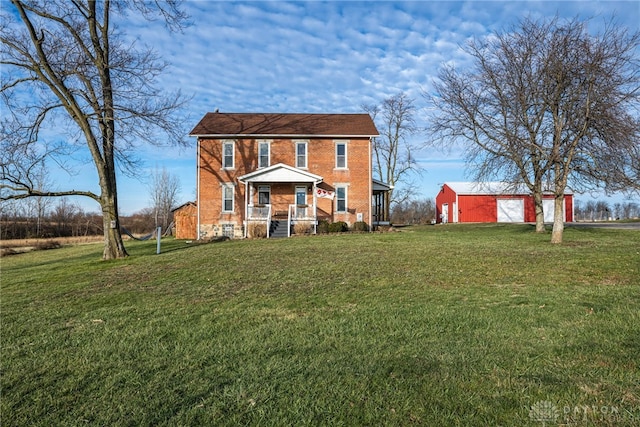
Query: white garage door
[510, 210]
[548, 207]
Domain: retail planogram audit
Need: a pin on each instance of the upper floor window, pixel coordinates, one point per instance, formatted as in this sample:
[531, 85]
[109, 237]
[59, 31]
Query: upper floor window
[264, 158]
[228, 155]
[301, 154]
[341, 155]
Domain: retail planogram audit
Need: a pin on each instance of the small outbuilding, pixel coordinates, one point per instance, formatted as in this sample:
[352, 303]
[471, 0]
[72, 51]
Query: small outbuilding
[494, 202]
[185, 218]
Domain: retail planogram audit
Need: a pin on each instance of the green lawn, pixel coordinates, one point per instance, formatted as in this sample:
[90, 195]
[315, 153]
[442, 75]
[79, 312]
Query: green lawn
[477, 325]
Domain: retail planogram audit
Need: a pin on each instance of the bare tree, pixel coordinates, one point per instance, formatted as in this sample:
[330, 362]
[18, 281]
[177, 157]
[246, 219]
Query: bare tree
[414, 211]
[66, 67]
[38, 205]
[164, 195]
[11, 216]
[592, 93]
[393, 160]
[547, 105]
[62, 216]
[590, 211]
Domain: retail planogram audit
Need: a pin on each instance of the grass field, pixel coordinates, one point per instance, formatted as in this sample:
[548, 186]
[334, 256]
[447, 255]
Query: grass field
[470, 325]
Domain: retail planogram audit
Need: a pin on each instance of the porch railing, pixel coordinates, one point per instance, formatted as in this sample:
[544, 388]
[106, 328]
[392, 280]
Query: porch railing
[301, 214]
[295, 214]
[260, 213]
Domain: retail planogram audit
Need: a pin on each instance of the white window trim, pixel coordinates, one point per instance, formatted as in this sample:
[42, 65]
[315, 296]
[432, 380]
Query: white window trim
[225, 225]
[300, 187]
[233, 195]
[260, 142]
[346, 154]
[233, 154]
[306, 154]
[346, 197]
[268, 190]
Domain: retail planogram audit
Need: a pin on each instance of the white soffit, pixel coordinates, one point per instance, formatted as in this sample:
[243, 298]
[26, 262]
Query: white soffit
[280, 173]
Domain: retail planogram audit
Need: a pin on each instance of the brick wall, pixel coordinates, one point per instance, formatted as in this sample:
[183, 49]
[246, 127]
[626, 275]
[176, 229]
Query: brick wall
[321, 160]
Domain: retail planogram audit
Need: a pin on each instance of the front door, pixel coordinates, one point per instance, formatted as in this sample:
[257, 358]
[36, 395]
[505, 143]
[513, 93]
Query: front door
[264, 195]
[301, 202]
[264, 199]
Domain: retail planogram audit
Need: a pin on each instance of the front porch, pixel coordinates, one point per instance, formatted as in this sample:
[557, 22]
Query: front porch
[280, 201]
[296, 219]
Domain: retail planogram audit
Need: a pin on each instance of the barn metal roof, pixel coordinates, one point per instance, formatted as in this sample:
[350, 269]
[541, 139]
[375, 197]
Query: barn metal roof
[491, 188]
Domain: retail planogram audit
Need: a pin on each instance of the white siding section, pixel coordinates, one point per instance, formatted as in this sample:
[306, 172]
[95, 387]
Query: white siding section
[510, 210]
[548, 207]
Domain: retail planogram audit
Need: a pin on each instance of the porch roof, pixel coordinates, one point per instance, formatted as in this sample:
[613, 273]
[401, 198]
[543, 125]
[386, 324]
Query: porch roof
[280, 173]
[379, 186]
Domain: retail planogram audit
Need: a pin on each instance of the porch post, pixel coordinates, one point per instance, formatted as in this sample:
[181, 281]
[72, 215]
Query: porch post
[375, 208]
[198, 191]
[315, 210]
[246, 208]
[387, 212]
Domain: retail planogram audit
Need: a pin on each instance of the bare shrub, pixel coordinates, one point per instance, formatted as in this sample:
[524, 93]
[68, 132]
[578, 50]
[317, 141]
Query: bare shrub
[7, 251]
[47, 244]
[302, 228]
[257, 230]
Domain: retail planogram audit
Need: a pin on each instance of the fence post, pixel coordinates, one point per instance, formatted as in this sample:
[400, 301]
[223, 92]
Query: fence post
[158, 240]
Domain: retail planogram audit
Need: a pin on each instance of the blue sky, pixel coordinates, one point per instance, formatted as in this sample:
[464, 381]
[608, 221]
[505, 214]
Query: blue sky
[329, 57]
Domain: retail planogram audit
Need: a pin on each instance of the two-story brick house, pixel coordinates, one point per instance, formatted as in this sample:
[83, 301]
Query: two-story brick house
[264, 171]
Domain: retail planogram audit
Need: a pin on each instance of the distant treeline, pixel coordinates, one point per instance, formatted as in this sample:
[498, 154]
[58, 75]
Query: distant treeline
[64, 219]
[413, 212]
[603, 211]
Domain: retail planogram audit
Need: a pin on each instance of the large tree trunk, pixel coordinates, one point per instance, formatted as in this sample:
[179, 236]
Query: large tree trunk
[537, 203]
[113, 244]
[558, 219]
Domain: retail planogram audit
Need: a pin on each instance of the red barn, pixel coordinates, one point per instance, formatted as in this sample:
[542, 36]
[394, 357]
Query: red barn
[493, 202]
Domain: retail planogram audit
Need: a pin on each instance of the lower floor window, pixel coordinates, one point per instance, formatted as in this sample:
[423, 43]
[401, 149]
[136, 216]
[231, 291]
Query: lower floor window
[341, 199]
[227, 198]
[264, 195]
[227, 230]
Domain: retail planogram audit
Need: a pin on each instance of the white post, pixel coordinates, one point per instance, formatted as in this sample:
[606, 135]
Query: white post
[315, 208]
[158, 240]
[246, 207]
[198, 190]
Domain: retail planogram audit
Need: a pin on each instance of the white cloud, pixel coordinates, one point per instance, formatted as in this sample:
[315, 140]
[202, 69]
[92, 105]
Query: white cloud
[325, 57]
